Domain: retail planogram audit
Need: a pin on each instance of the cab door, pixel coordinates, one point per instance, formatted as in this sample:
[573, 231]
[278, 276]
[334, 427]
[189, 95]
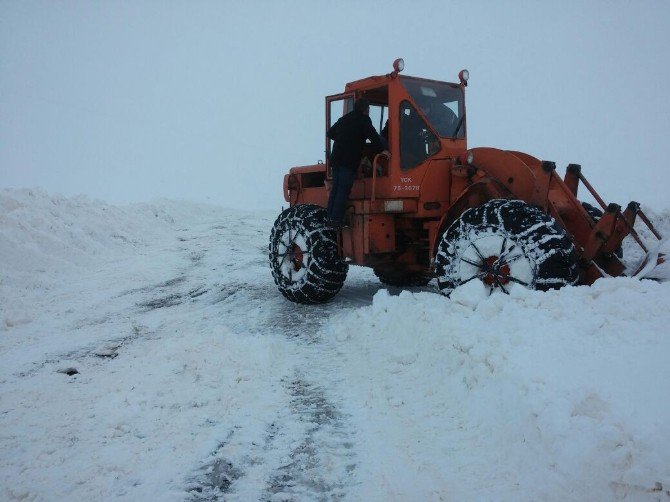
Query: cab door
[337, 106]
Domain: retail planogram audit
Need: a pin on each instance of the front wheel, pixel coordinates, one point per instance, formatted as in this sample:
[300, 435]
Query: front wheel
[505, 242]
[303, 255]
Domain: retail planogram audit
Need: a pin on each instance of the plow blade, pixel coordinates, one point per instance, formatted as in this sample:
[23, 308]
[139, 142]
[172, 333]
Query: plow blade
[654, 264]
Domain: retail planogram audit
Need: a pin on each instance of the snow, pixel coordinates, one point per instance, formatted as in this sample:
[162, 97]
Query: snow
[196, 379]
[534, 395]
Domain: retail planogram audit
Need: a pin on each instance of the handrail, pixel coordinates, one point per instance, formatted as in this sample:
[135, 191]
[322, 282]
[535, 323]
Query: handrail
[374, 174]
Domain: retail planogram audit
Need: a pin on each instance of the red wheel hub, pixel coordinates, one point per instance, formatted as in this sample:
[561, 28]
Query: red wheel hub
[296, 257]
[494, 274]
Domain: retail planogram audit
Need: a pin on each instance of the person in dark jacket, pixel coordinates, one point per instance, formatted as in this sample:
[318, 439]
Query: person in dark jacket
[349, 134]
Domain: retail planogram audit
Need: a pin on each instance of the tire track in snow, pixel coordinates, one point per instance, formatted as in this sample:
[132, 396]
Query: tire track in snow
[307, 451]
[321, 464]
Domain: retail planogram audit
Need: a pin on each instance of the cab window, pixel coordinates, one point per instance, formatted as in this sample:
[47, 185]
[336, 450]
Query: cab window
[378, 116]
[441, 103]
[417, 141]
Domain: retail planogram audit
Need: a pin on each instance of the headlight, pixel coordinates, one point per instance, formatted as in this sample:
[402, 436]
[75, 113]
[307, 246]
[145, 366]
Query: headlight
[463, 76]
[399, 65]
[470, 157]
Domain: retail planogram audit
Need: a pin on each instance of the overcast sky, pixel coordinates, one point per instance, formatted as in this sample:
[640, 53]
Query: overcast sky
[214, 101]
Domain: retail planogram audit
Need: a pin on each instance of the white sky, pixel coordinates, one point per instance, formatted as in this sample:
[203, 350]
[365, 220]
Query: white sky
[214, 101]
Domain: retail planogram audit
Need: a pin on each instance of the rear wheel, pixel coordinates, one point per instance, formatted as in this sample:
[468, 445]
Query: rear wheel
[505, 242]
[303, 255]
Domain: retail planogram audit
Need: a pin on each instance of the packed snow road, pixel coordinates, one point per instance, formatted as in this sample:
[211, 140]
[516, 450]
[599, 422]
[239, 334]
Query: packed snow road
[192, 372]
[146, 354]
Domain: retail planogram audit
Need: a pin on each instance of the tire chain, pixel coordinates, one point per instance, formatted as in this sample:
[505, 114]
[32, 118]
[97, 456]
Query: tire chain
[534, 232]
[326, 271]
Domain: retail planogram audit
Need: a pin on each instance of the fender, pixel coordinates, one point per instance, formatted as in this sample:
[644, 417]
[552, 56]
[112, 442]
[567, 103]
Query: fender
[482, 190]
[525, 176]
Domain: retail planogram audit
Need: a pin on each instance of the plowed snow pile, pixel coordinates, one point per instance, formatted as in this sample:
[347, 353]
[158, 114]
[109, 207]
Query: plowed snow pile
[195, 379]
[558, 395]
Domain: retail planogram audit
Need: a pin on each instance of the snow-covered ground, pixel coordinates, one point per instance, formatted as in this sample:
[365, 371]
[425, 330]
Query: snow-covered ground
[145, 354]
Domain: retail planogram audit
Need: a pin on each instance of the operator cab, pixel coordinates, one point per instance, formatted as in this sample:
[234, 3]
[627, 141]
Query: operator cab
[436, 110]
[418, 119]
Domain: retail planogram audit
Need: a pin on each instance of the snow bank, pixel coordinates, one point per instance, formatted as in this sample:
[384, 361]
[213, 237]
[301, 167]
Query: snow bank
[46, 239]
[43, 237]
[550, 396]
[40, 232]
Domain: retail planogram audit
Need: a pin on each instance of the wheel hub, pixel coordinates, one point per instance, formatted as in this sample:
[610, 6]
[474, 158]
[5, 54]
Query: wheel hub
[296, 257]
[494, 273]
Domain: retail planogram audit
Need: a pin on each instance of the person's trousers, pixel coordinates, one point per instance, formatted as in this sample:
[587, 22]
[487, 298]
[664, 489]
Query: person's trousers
[343, 180]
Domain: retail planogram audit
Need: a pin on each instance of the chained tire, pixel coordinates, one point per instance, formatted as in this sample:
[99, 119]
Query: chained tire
[596, 213]
[303, 255]
[402, 279]
[505, 242]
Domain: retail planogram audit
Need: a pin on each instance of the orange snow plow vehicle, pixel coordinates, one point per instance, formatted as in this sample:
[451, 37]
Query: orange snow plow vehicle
[437, 209]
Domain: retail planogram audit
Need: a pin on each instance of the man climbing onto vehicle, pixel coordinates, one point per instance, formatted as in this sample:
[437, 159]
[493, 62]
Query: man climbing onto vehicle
[349, 134]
